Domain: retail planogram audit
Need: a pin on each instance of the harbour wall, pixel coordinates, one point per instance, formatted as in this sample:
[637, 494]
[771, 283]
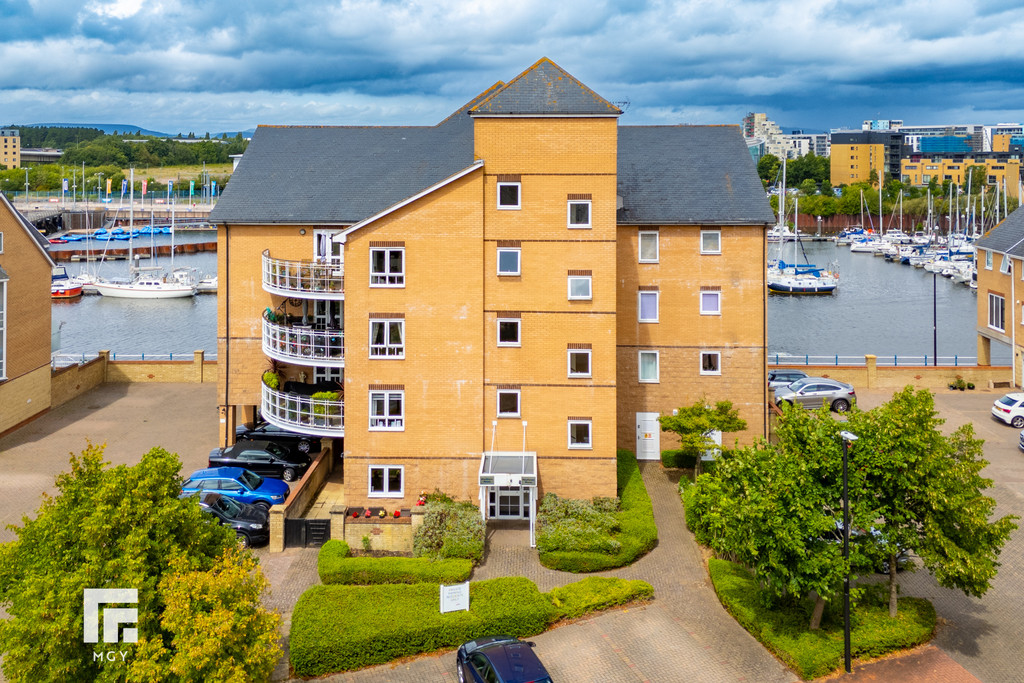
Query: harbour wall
[871, 376]
[72, 381]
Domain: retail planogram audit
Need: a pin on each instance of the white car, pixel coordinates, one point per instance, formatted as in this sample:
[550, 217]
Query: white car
[1010, 409]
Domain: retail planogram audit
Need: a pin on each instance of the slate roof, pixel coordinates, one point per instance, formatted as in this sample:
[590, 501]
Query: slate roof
[688, 174]
[545, 89]
[1007, 237]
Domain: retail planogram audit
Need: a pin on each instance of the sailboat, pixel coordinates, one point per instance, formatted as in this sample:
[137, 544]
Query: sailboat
[144, 282]
[797, 278]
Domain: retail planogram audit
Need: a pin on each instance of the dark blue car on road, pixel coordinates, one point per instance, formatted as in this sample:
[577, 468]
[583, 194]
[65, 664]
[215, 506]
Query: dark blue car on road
[240, 484]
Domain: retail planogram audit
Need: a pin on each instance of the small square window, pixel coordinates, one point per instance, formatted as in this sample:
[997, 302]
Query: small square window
[710, 363]
[579, 434]
[648, 307]
[387, 411]
[579, 362]
[648, 246]
[508, 331]
[579, 214]
[386, 481]
[710, 303]
[579, 287]
[508, 195]
[508, 261]
[508, 403]
[649, 367]
[711, 241]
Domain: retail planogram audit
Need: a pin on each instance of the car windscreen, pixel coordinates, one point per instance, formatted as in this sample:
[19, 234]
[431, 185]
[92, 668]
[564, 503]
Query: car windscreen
[799, 384]
[250, 479]
[228, 507]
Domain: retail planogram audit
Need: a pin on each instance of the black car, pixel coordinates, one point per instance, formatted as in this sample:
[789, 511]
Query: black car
[293, 441]
[499, 659]
[262, 457]
[250, 522]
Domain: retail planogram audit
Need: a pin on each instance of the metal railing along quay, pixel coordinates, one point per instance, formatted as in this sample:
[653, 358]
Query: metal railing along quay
[880, 361]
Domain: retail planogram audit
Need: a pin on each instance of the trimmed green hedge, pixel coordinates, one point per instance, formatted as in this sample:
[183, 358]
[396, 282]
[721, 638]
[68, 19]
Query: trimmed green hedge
[340, 628]
[597, 593]
[335, 566]
[637, 533]
[681, 458]
[784, 628]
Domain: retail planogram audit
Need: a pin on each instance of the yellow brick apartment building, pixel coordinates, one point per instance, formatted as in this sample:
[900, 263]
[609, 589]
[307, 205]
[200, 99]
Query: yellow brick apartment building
[494, 305]
[10, 148]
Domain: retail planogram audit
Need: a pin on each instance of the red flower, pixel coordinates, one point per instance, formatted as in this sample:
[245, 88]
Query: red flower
[355, 513]
[367, 512]
[398, 513]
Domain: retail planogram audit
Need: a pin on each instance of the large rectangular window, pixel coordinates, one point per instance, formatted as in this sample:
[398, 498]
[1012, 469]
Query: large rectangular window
[649, 372]
[387, 411]
[647, 307]
[387, 339]
[386, 481]
[996, 312]
[649, 246]
[387, 267]
[579, 433]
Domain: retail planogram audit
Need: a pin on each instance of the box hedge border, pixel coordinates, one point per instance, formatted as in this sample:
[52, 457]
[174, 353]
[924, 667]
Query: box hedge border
[336, 566]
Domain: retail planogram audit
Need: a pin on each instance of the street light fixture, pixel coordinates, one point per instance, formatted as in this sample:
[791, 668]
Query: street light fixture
[848, 438]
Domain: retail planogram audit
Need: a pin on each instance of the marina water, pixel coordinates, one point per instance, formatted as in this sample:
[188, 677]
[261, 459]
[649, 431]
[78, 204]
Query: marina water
[880, 308]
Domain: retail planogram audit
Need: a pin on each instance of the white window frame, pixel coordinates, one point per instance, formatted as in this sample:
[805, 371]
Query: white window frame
[385, 422]
[718, 249]
[589, 445]
[988, 260]
[510, 392]
[387, 350]
[3, 329]
[387, 278]
[639, 306]
[519, 328]
[590, 287]
[590, 210]
[992, 298]
[640, 246]
[519, 261]
[1004, 265]
[1, 241]
[640, 366]
[718, 298]
[519, 197]
[581, 352]
[370, 493]
[718, 362]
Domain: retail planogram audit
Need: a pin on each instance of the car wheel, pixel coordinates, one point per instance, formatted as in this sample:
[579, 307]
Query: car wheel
[840, 405]
[1017, 422]
[243, 540]
[289, 474]
[303, 447]
[262, 504]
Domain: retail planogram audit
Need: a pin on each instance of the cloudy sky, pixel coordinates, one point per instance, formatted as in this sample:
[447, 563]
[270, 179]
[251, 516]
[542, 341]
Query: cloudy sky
[224, 66]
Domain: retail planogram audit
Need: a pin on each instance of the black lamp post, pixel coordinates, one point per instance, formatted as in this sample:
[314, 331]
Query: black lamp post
[848, 438]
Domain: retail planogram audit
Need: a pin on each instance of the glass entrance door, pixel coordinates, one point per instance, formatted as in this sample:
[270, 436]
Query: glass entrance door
[508, 502]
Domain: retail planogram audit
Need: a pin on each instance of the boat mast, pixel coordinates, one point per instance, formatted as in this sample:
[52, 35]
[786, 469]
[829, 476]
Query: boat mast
[131, 218]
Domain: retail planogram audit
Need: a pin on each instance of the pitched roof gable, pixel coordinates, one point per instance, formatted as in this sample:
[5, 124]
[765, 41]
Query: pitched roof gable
[1007, 237]
[37, 237]
[545, 89]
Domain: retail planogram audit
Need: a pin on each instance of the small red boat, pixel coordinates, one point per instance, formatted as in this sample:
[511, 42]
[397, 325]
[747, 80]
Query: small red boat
[65, 290]
[58, 240]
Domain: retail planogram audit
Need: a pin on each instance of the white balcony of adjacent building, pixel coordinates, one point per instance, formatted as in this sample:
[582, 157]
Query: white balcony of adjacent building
[308, 345]
[307, 279]
[304, 414]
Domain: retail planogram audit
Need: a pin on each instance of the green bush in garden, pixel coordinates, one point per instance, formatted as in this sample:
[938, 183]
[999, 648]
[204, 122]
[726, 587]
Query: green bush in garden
[335, 565]
[684, 458]
[597, 593]
[450, 530]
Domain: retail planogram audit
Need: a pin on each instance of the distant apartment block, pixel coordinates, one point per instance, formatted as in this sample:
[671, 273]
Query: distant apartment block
[10, 153]
[1002, 170]
[882, 124]
[854, 154]
[757, 125]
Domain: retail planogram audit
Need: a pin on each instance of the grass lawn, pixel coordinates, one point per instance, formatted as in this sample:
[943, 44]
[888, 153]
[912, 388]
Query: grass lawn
[164, 173]
[783, 629]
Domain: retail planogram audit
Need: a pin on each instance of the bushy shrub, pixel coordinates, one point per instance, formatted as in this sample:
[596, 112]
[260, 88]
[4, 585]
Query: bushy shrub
[450, 530]
[339, 628]
[684, 458]
[335, 566]
[577, 525]
[596, 593]
[271, 379]
[637, 533]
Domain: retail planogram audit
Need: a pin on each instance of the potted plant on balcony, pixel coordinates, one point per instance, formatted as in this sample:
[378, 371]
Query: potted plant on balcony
[323, 407]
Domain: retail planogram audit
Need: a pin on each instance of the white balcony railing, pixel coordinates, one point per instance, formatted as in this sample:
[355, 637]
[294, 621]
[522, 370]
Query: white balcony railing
[304, 345]
[303, 279]
[303, 414]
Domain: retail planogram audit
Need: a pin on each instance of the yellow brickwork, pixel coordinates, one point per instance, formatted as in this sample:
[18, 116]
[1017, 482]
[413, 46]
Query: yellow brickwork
[854, 163]
[24, 397]
[1005, 173]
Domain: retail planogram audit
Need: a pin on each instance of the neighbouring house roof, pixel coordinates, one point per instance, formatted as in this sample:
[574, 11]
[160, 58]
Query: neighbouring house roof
[688, 175]
[1007, 237]
[4, 277]
[545, 89]
[37, 237]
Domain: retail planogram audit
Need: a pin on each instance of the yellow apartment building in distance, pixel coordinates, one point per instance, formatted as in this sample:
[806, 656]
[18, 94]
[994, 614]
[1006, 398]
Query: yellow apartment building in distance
[492, 306]
[10, 147]
[1002, 170]
[855, 154]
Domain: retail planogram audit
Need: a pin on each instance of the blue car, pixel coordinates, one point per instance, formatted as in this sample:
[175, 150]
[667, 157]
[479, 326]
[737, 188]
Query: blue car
[499, 659]
[239, 484]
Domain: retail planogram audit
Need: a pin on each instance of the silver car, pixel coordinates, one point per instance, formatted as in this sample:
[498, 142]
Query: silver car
[814, 392]
[780, 378]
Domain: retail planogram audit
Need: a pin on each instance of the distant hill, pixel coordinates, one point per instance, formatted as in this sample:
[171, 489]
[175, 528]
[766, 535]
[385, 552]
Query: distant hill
[109, 128]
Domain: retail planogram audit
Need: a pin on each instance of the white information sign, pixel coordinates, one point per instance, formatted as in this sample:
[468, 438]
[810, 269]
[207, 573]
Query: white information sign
[455, 597]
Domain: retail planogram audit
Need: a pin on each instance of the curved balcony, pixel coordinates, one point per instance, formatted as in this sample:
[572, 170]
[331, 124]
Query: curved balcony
[303, 414]
[303, 279]
[303, 345]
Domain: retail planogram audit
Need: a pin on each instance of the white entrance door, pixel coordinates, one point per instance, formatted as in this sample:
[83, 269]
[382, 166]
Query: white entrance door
[648, 437]
[508, 502]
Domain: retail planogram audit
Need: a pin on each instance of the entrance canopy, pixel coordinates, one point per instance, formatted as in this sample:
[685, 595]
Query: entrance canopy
[506, 469]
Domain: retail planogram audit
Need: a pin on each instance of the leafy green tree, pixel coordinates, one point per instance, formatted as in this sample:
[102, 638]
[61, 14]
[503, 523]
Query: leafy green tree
[927, 491]
[768, 168]
[199, 616]
[808, 186]
[696, 425]
[978, 176]
[873, 177]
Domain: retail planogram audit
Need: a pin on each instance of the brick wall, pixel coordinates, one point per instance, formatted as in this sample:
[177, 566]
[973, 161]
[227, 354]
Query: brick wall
[24, 397]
